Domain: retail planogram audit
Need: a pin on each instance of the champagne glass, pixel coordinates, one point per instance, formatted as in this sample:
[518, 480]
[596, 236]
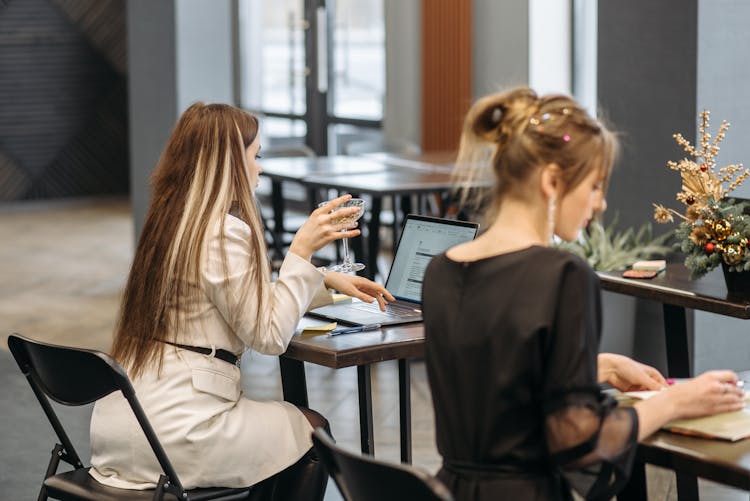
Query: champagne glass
[347, 266]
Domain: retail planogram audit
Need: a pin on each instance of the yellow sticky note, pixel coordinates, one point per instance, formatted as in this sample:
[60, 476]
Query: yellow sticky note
[318, 329]
[341, 298]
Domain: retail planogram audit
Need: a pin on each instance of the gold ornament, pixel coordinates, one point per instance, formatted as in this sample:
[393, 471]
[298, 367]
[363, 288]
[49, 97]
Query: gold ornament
[695, 212]
[699, 235]
[662, 214]
[732, 254]
[721, 229]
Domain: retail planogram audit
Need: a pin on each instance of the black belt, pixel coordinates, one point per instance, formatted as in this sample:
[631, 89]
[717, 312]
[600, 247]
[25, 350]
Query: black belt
[221, 354]
[495, 470]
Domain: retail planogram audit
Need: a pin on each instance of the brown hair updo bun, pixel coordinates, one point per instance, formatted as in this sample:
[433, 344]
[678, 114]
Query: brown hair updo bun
[506, 136]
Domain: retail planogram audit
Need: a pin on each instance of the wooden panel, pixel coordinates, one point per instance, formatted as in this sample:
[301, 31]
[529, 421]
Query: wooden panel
[446, 71]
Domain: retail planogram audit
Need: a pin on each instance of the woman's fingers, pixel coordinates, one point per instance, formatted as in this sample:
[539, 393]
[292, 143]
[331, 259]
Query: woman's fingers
[655, 375]
[381, 301]
[728, 395]
[331, 205]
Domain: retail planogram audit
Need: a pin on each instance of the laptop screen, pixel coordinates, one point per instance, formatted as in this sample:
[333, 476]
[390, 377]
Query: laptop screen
[421, 239]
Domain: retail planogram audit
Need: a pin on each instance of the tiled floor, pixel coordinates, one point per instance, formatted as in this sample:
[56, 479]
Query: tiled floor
[62, 267]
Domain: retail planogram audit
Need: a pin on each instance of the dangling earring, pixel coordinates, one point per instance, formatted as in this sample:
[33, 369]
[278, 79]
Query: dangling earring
[551, 220]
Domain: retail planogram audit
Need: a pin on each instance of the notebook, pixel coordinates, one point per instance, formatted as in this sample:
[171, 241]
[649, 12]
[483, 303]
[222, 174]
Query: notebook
[729, 426]
[422, 238]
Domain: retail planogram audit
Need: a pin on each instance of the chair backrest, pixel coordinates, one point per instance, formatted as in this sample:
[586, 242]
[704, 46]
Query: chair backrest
[364, 478]
[77, 376]
[69, 376]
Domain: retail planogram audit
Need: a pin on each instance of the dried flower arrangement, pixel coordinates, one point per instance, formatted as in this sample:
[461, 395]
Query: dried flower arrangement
[714, 228]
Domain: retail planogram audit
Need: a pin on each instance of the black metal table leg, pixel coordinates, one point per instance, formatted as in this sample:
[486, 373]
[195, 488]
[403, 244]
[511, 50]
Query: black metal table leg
[676, 335]
[277, 204]
[293, 381]
[373, 238]
[678, 365]
[687, 487]
[404, 401]
[635, 489]
[365, 409]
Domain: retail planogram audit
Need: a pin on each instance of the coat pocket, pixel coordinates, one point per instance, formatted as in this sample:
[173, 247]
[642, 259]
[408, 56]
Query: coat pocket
[216, 380]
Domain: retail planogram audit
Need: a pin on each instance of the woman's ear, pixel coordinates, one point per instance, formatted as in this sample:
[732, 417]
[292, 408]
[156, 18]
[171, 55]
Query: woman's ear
[551, 181]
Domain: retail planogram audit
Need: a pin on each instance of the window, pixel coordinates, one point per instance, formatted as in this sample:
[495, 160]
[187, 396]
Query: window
[311, 67]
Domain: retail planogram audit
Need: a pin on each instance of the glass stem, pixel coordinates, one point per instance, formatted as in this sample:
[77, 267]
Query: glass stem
[345, 243]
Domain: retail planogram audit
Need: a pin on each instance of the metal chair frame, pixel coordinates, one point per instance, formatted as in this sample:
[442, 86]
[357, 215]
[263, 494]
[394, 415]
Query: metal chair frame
[364, 478]
[74, 377]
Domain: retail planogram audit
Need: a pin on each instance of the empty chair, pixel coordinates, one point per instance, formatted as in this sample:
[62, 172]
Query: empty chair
[364, 478]
[74, 376]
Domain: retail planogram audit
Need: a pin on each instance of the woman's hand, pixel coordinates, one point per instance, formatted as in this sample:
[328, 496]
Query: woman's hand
[359, 287]
[322, 228]
[710, 393]
[626, 374]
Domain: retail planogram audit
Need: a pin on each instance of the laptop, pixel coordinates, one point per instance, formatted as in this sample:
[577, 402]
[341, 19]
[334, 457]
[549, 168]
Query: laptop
[422, 238]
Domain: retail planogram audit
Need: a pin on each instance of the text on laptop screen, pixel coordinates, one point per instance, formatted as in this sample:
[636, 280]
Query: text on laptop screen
[420, 241]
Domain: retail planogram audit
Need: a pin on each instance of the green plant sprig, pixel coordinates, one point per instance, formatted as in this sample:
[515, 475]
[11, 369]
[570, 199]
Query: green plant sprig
[606, 249]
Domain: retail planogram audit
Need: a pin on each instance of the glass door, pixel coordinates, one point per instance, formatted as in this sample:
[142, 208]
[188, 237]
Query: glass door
[314, 70]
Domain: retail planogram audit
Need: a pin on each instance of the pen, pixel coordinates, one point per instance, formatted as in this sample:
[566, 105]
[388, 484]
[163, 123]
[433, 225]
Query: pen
[352, 330]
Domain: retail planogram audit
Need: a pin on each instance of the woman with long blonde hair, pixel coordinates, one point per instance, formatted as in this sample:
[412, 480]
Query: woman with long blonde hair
[198, 295]
[512, 325]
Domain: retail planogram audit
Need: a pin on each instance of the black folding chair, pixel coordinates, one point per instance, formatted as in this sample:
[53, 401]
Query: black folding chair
[364, 478]
[73, 376]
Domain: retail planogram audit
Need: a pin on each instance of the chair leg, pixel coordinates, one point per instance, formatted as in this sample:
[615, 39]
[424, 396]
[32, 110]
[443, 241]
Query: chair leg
[54, 461]
[159, 491]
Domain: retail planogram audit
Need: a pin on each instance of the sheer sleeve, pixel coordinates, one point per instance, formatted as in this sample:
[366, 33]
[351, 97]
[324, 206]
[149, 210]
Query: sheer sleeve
[585, 431]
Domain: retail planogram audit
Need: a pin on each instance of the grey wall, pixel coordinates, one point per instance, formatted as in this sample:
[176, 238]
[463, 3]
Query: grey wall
[501, 45]
[724, 73]
[179, 52]
[403, 52]
[647, 88]
[151, 86]
[204, 52]
[723, 69]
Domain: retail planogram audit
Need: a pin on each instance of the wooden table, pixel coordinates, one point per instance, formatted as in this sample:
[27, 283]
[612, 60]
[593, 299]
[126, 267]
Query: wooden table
[296, 169]
[434, 160]
[359, 350]
[723, 462]
[674, 289]
[689, 457]
[716, 460]
[372, 176]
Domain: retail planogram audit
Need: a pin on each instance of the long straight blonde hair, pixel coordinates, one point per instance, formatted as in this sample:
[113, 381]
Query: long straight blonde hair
[201, 176]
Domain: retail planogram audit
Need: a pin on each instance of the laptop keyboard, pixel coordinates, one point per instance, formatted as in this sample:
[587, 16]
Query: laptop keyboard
[396, 310]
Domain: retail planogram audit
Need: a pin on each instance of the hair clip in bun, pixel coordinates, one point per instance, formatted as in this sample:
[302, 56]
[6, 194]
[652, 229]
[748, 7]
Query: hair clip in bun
[497, 114]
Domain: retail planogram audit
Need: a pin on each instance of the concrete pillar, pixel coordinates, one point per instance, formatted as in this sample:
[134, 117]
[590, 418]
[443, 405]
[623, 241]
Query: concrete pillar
[179, 52]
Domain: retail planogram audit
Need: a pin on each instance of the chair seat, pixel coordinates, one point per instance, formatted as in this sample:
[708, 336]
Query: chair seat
[77, 485]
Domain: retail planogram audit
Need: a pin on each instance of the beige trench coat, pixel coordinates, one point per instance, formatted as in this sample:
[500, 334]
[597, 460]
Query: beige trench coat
[213, 435]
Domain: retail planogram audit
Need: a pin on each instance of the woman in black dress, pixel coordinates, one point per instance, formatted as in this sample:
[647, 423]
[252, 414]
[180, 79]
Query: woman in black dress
[512, 325]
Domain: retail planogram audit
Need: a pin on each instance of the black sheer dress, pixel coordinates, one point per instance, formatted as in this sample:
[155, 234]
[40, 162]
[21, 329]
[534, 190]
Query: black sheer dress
[511, 348]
